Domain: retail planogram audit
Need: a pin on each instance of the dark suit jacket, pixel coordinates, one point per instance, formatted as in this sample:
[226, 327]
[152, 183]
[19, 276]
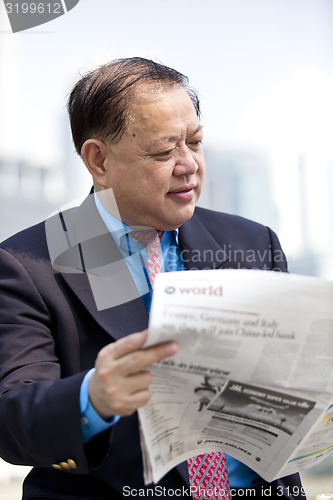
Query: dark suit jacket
[51, 332]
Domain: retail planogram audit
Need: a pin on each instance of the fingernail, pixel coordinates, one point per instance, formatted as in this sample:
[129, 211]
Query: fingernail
[171, 348]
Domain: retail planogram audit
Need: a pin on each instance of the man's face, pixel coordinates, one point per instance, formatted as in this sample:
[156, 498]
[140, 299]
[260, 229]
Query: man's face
[156, 170]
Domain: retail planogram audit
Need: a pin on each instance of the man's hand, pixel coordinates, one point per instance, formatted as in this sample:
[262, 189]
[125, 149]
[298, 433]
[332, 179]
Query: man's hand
[119, 385]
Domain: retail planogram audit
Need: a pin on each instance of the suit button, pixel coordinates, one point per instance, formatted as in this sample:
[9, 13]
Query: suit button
[72, 463]
[68, 465]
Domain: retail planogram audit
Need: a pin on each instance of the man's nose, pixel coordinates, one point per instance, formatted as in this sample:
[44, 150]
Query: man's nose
[185, 162]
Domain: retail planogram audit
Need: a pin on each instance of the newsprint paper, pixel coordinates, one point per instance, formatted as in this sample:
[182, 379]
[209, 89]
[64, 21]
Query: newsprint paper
[253, 376]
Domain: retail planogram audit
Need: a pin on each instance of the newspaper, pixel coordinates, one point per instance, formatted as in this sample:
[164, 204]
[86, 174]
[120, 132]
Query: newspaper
[253, 376]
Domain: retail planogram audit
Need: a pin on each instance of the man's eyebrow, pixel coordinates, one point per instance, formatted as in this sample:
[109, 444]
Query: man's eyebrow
[197, 130]
[173, 138]
[164, 140]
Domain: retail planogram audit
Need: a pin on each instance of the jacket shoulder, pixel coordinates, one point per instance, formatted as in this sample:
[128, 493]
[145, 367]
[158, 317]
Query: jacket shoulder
[33, 240]
[27, 240]
[216, 221]
[246, 243]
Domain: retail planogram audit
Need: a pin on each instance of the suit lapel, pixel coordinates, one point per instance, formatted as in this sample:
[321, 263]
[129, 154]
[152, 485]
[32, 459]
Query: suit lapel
[119, 320]
[199, 249]
[83, 251]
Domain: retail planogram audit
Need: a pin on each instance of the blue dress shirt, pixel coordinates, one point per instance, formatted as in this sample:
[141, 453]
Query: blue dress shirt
[240, 476]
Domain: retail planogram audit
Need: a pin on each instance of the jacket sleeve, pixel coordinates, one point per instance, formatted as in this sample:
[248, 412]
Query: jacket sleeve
[39, 410]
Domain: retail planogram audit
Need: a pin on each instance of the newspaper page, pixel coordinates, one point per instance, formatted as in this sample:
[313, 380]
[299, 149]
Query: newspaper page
[253, 376]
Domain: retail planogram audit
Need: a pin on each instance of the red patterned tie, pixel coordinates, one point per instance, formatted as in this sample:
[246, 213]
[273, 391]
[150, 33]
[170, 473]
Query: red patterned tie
[208, 473]
[151, 239]
[209, 477]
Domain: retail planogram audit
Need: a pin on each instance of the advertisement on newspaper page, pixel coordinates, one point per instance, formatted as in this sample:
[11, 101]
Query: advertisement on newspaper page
[253, 376]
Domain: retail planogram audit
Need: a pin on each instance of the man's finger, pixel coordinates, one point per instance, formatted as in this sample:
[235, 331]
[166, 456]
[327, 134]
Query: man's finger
[136, 361]
[137, 382]
[128, 354]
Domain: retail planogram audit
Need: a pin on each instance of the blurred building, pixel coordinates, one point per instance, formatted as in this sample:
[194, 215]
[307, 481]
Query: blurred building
[28, 194]
[316, 255]
[239, 182]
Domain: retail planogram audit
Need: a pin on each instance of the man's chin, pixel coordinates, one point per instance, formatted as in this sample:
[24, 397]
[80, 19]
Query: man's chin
[167, 219]
[178, 219]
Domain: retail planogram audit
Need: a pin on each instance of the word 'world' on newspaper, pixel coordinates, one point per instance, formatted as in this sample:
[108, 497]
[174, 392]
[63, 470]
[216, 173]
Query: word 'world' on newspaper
[253, 376]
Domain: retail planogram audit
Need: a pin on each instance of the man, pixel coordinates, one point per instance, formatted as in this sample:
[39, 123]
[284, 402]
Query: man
[75, 288]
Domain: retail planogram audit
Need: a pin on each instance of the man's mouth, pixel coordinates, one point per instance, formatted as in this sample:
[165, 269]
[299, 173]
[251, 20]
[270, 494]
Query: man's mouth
[184, 193]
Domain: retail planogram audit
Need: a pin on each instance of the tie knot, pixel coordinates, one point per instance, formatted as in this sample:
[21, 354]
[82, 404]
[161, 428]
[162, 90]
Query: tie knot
[147, 236]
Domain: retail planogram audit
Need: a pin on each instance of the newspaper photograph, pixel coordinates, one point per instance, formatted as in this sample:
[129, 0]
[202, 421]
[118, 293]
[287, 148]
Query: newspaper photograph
[253, 376]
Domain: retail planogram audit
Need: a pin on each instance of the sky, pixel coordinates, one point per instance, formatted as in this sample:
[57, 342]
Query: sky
[263, 69]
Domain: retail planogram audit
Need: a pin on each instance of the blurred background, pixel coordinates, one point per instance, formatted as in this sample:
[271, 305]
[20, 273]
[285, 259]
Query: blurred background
[264, 72]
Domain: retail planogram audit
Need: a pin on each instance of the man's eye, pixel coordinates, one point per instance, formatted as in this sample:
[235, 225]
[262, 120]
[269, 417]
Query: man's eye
[195, 144]
[164, 154]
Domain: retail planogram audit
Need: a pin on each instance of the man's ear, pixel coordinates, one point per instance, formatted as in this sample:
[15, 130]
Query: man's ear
[94, 153]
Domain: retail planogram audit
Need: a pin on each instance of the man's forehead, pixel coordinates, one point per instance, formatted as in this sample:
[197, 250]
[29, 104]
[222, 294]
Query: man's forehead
[151, 90]
[159, 109]
[156, 95]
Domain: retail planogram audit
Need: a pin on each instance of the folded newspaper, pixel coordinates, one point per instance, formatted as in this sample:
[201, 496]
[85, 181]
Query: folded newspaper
[253, 376]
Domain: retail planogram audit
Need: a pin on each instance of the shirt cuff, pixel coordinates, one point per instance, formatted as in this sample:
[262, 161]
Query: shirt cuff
[91, 423]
